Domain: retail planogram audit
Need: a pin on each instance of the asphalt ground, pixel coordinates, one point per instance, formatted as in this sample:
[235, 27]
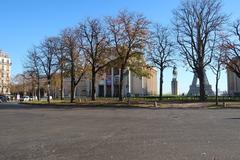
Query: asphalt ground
[95, 133]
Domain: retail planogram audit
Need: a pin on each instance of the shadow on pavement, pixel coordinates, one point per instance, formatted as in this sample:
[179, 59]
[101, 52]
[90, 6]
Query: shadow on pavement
[10, 106]
[235, 118]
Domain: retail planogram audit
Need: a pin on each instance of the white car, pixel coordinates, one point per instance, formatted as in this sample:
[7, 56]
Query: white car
[25, 98]
[45, 98]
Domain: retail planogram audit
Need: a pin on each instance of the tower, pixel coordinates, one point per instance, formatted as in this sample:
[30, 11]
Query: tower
[174, 83]
[194, 89]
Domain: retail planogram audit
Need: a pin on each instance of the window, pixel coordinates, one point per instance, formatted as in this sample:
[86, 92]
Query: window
[116, 71]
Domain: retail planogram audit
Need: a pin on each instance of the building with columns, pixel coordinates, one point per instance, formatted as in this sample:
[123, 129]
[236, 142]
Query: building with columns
[107, 84]
[5, 70]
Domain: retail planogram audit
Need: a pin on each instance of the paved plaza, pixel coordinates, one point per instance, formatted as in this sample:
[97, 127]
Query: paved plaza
[35, 133]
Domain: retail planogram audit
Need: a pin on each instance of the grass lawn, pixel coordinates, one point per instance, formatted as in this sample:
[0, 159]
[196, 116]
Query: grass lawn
[137, 102]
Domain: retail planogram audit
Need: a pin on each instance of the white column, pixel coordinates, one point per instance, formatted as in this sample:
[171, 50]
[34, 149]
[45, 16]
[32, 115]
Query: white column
[105, 85]
[97, 87]
[129, 81]
[142, 86]
[89, 88]
[119, 70]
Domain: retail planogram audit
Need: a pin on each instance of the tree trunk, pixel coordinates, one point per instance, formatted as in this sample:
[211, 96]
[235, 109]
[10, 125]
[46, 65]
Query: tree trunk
[202, 85]
[160, 84]
[72, 82]
[38, 92]
[72, 91]
[93, 84]
[73, 88]
[216, 87]
[121, 84]
[216, 98]
[33, 89]
[48, 92]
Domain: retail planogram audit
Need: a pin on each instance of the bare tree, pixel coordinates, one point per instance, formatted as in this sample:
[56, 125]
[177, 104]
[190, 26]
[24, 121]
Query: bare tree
[95, 45]
[30, 78]
[217, 66]
[32, 66]
[161, 52]
[55, 85]
[77, 65]
[48, 59]
[196, 24]
[18, 84]
[61, 55]
[232, 49]
[128, 33]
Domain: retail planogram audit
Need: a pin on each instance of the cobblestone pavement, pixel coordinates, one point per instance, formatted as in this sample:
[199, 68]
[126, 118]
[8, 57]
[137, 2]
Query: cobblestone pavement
[32, 133]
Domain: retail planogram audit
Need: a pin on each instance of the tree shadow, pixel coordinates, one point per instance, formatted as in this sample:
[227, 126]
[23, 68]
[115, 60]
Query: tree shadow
[234, 118]
[16, 106]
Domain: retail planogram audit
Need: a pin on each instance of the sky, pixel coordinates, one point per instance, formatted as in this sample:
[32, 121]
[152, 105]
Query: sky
[24, 23]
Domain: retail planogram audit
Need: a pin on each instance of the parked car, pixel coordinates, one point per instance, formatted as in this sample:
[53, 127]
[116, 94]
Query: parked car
[3, 99]
[31, 98]
[25, 98]
[45, 98]
[9, 97]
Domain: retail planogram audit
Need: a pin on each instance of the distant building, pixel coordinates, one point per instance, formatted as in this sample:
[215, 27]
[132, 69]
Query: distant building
[107, 85]
[5, 70]
[233, 82]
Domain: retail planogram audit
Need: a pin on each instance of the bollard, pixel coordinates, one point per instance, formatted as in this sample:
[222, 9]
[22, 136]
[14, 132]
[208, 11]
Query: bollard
[128, 97]
[155, 104]
[128, 101]
[224, 104]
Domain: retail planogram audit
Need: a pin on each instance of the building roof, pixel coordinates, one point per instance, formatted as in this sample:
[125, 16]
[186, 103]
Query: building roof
[3, 54]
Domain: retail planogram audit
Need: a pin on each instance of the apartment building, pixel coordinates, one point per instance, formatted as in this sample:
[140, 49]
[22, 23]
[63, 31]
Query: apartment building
[5, 70]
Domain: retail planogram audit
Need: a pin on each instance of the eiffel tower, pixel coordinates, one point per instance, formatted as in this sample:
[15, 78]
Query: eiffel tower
[194, 89]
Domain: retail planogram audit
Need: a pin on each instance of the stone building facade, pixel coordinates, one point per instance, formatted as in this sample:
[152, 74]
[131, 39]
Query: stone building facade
[107, 84]
[5, 70]
[233, 83]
